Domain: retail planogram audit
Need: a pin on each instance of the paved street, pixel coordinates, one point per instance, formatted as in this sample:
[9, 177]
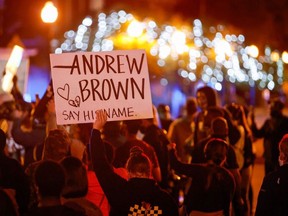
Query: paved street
[258, 172]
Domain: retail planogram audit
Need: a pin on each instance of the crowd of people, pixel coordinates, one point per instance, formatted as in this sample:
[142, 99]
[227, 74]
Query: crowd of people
[198, 163]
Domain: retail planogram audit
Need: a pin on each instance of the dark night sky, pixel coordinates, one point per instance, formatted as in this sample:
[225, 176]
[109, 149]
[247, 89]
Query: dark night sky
[261, 21]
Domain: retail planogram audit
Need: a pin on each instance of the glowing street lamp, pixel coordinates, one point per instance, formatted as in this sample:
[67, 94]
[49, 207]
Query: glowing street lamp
[49, 13]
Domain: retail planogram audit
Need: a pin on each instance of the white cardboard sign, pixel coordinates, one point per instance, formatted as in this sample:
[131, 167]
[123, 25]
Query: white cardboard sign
[116, 81]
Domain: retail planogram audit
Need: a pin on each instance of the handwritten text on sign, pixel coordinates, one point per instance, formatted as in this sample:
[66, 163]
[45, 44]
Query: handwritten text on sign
[116, 81]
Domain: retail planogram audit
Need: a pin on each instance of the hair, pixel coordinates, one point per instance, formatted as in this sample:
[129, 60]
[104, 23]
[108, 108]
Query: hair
[216, 150]
[2, 140]
[132, 126]
[191, 105]
[49, 178]
[138, 162]
[276, 104]
[76, 178]
[112, 128]
[238, 113]
[163, 108]
[283, 145]
[212, 113]
[219, 126]
[210, 95]
[57, 145]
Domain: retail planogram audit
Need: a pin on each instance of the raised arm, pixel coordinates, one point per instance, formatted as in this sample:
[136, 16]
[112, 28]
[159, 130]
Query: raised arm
[97, 147]
[111, 183]
[179, 167]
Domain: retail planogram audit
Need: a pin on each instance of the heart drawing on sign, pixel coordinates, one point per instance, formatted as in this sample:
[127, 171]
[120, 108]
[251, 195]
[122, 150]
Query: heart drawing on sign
[75, 103]
[64, 92]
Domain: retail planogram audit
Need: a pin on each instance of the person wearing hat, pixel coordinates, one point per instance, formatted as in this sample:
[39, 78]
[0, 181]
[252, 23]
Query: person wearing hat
[272, 130]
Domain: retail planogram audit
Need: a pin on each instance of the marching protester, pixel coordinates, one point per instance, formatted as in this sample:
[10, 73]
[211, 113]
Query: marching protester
[140, 194]
[212, 187]
[273, 195]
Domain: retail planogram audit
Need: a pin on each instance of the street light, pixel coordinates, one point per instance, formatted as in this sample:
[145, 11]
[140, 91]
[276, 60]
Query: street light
[49, 15]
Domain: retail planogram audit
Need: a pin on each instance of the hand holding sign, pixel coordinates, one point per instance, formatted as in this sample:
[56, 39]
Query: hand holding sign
[100, 120]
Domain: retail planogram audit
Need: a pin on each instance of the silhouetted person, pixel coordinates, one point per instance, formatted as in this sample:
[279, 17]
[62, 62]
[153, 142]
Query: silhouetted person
[180, 130]
[212, 186]
[76, 187]
[272, 131]
[13, 178]
[164, 116]
[273, 195]
[50, 180]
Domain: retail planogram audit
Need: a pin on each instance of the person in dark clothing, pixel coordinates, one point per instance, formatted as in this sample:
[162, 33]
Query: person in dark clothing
[154, 136]
[273, 129]
[212, 186]
[219, 130]
[12, 177]
[273, 195]
[164, 116]
[27, 139]
[207, 98]
[244, 151]
[50, 181]
[140, 193]
[57, 146]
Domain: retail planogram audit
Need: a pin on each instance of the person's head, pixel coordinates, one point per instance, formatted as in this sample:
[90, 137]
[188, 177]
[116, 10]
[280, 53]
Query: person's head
[164, 111]
[238, 113]
[49, 179]
[57, 145]
[206, 97]
[219, 127]
[76, 178]
[132, 126]
[215, 151]
[2, 141]
[138, 165]
[112, 129]
[191, 106]
[276, 107]
[283, 150]
[211, 114]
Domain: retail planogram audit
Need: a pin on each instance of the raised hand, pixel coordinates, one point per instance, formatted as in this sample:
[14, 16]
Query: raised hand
[101, 119]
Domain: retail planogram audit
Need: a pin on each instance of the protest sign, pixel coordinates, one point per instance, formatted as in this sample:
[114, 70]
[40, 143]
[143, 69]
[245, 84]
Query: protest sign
[116, 81]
